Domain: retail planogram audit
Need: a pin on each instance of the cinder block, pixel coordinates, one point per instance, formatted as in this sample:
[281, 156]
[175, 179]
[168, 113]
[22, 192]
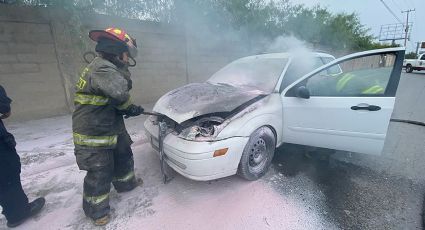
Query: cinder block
[4, 48]
[36, 38]
[8, 58]
[35, 28]
[6, 68]
[45, 49]
[25, 68]
[22, 48]
[6, 37]
[36, 58]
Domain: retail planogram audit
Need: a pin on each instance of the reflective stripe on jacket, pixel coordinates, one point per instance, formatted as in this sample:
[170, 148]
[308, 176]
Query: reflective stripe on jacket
[95, 141]
[102, 90]
[350, 84]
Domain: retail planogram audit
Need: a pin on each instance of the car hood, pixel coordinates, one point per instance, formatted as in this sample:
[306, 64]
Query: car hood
[199, 99]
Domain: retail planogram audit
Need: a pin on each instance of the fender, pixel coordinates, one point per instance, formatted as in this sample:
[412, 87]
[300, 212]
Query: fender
[271, 120]
[266, 112]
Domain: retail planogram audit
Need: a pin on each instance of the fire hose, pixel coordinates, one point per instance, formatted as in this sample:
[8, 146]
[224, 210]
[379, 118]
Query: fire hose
[162, 133]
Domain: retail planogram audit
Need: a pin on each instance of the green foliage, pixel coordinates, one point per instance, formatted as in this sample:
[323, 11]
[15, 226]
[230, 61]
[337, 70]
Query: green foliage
[270, 19]
[156, 10]
[254, 18]
[411, 55]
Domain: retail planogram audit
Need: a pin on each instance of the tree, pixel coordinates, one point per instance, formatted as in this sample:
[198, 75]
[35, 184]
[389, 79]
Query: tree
[411, 55]
[154, 10]
[269, 19]
[253, 19]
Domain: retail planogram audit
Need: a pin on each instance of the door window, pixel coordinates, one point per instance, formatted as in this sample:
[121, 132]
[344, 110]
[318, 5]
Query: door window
[423, 57]
[363, 76]
[298, 68]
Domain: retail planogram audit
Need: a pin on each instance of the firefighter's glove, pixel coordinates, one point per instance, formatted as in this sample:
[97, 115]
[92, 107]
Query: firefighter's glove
[133, 111]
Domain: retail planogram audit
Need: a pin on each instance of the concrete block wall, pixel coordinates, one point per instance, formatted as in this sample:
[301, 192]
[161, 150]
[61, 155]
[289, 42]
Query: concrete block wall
[29, 68]
[39, 56]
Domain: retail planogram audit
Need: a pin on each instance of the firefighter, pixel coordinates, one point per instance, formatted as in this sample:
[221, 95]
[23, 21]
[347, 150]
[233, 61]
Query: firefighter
[13, 200]
[102, 144]
[352, 84]
[345, 84]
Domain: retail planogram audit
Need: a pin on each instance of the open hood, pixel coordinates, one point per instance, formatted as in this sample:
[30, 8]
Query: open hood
[199, 99]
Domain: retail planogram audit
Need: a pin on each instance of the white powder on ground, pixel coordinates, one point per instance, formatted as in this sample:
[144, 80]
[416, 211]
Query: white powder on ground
[49, 170]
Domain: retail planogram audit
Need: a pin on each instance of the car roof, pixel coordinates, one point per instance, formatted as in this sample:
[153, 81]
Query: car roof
[286, 55]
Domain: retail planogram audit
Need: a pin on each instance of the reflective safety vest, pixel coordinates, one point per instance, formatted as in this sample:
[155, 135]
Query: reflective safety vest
[359, 86]
[376, 89]
[101, 92]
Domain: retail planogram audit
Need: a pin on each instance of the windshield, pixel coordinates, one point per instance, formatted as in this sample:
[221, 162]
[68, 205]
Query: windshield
[258, 73]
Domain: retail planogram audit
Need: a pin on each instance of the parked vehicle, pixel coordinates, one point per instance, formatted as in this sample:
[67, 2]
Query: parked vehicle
[414, 64]
[233, 122]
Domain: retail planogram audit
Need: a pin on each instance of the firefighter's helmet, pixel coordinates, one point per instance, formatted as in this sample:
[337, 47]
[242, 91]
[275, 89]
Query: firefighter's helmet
[117, 35]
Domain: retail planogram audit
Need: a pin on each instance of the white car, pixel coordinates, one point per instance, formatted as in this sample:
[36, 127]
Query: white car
[234, 122]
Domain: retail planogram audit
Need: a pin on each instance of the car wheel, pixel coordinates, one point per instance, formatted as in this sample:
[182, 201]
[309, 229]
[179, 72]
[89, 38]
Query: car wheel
[258, 154]
[409, 69]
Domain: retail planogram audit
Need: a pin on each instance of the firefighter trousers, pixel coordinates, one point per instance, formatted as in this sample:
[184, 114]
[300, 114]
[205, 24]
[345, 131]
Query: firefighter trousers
[106, 166]
[12, 197]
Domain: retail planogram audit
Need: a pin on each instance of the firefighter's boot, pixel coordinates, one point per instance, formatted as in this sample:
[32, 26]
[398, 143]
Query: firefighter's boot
[102, 221]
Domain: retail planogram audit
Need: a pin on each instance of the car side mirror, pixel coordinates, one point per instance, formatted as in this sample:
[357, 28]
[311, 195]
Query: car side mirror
[303, 92]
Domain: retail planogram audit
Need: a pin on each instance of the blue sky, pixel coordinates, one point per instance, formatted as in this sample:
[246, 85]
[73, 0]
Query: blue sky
[373, 14]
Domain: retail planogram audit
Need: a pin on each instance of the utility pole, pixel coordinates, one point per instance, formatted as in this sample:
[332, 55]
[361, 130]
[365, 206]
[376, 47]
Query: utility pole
[407, 25]
[418, 44]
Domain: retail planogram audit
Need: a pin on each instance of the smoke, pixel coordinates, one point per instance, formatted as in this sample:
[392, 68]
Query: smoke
[207, 26]
[289, 44]
[301, 53]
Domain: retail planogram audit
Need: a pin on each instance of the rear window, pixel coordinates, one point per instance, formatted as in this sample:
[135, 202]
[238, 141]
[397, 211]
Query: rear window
[336, 69]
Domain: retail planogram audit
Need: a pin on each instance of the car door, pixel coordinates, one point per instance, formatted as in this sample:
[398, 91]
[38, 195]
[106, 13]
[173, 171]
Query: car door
[422, 61]
[345, 110]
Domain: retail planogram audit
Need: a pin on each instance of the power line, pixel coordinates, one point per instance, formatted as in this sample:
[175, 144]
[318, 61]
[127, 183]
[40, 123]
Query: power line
[389, 9]
[397, 5]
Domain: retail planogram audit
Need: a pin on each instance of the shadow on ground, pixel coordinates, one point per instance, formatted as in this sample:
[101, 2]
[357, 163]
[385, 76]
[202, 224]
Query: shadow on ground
[418, 72]
[355, 198]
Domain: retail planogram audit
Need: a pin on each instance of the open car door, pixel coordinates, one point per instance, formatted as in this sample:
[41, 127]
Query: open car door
[346, 104]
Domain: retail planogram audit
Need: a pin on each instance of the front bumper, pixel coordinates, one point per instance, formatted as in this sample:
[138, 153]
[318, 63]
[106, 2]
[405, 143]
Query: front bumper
[195, 160]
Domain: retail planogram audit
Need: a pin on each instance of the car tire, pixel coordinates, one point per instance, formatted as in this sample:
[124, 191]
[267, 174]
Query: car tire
[258, 154]
[409, 68]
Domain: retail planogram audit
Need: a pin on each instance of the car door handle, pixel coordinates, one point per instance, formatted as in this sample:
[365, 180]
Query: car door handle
[369, 108]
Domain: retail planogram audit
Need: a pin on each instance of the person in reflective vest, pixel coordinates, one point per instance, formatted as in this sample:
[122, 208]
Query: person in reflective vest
[102, 143]
[350, 84]
[346, 84]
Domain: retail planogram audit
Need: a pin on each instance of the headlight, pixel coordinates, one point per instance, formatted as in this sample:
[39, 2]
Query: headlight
[204, 129]
[153, 119]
